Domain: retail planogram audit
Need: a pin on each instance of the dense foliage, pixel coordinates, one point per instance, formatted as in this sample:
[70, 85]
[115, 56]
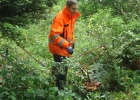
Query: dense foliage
[107, 50]
[120, 8]
[15, 14]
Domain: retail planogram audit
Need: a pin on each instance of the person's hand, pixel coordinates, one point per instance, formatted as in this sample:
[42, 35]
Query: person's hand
[70, 50]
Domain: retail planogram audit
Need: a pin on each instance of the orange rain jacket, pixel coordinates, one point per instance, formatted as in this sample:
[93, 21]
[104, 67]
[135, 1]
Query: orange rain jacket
[62, 32]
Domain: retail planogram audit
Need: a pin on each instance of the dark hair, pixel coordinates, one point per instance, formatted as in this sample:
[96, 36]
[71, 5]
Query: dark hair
[71, 2]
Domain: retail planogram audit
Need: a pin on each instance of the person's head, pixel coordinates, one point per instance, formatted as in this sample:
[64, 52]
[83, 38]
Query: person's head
[72, 6]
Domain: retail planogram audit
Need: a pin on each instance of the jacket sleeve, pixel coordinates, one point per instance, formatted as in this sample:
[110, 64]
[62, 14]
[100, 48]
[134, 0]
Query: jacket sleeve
[56, 30]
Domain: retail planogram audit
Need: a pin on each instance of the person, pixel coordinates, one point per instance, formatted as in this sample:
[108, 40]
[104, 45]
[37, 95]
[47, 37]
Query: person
[61, 39]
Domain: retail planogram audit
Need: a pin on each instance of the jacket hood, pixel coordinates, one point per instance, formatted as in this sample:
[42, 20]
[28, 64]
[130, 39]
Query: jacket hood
[69, 15]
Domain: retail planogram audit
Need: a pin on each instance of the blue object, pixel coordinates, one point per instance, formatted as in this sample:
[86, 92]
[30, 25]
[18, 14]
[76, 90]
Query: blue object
[70, 50]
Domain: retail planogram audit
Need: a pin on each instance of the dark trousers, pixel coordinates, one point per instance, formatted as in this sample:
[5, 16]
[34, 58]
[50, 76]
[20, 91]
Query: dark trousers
[60, 75]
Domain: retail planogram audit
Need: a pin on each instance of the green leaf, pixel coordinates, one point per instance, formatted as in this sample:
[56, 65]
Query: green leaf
[46, 82]
[23, 78]
[4, 72]
[13, 97]
[61, 93]
[55, 89]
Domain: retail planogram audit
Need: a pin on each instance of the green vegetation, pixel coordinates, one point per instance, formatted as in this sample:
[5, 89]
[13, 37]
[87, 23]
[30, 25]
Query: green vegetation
[107, 50]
